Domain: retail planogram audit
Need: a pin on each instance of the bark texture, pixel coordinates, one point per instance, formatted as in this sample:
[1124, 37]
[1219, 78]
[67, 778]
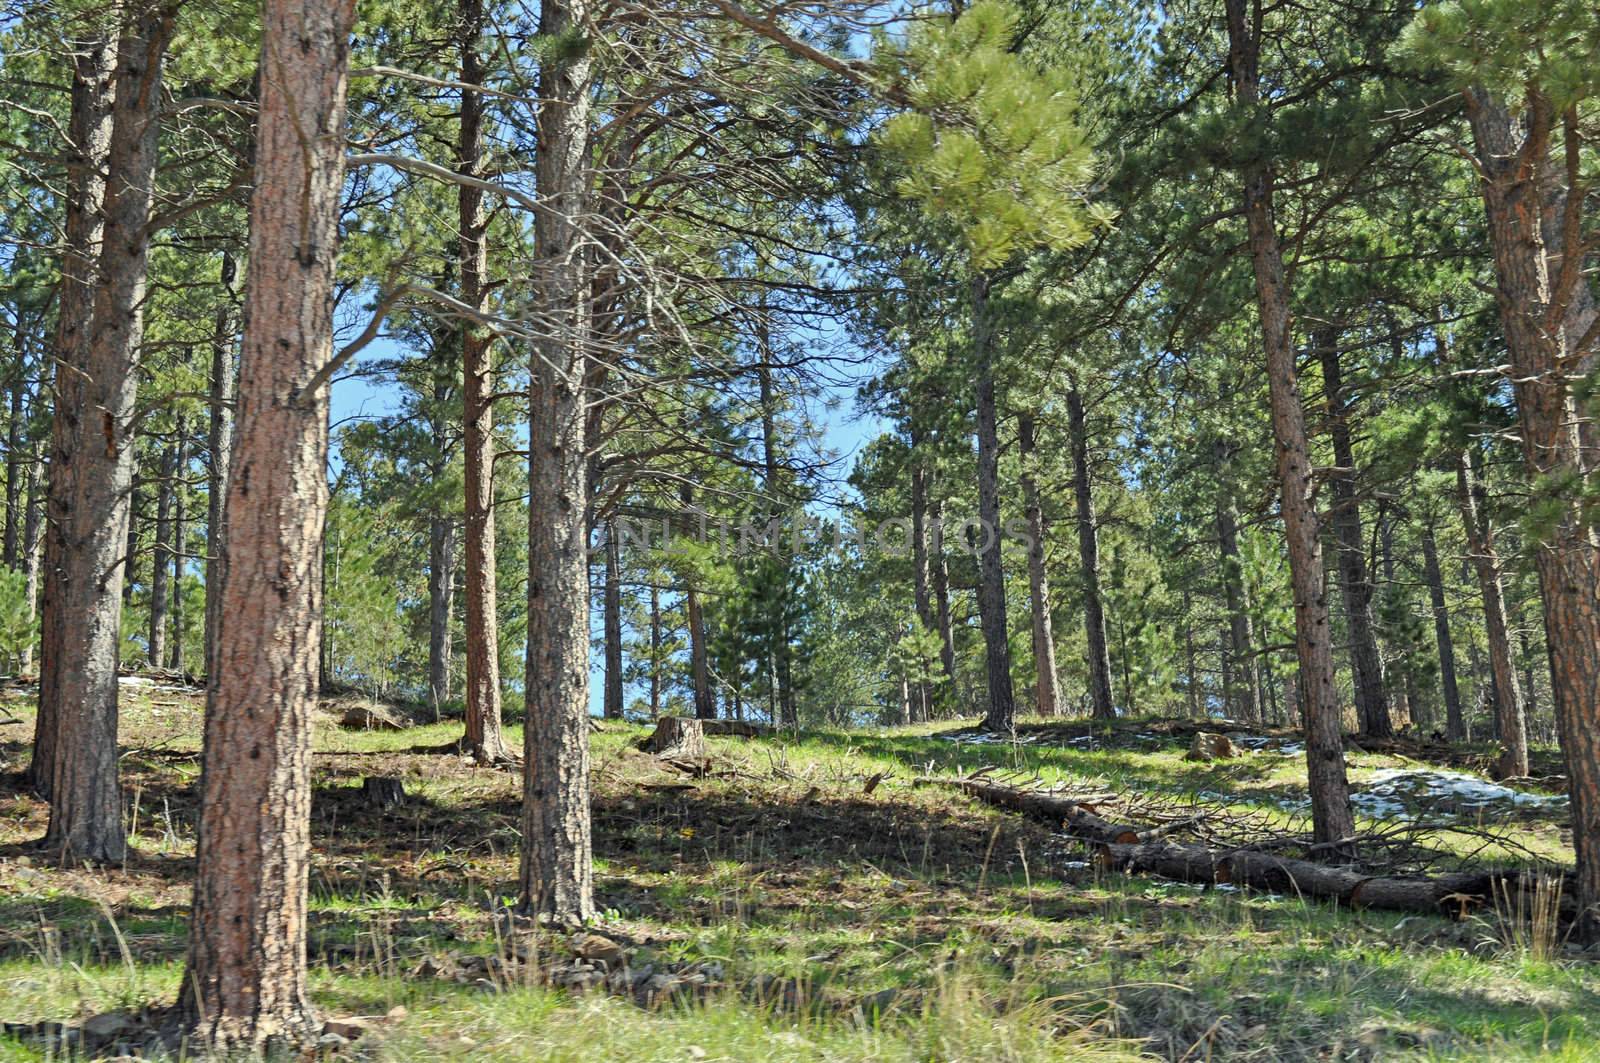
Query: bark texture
[557, 873]
[1548, 316]
[245, 987]
[89, 126]
[1102, 703]
[1319, 706]
[91, 469]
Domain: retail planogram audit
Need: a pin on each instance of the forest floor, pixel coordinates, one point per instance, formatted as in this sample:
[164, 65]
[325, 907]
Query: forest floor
[786, 909]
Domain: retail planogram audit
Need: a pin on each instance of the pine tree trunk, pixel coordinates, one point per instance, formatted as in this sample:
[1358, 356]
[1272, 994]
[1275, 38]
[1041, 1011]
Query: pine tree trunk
[1548, 316]
[94, 61]
[1241, 667]
[180, 536]
[705, 704]
[1455, 723]
[219, 444]
[557, 873]
[92, 469]
[441, 589]
[1001, 714]
[15, 418]
[1331, 816]
[1044, 639]
[244, 990]
[32, 541]
[921, 589]
[485, 737]
[655, 652]
[613, 621]
[1355, 585]
[1509, 709]
[1103, 704]
[161, 561]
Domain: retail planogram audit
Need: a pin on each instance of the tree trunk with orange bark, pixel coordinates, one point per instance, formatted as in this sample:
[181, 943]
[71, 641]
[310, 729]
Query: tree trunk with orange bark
[244, 990]
[1332, 818]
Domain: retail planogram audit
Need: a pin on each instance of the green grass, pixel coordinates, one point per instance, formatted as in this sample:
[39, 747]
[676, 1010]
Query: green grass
[995, 942]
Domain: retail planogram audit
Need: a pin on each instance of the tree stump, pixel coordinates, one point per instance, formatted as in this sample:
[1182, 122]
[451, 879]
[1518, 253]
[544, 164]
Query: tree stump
[382, 791]
[677, 738]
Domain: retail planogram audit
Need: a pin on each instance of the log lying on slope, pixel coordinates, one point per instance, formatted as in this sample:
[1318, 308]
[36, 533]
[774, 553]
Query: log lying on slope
[1454, 895]
[1077, 814]
[1131, 850]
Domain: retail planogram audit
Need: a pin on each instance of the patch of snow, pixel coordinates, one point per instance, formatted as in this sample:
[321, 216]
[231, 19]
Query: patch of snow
[1397, 793]
[986, 738]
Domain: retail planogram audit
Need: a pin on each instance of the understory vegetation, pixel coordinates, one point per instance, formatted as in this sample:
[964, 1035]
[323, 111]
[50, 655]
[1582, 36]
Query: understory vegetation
[906, 923]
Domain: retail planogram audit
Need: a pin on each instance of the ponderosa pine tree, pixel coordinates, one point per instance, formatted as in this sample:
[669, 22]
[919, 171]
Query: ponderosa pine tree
[557, 874]
[1524, 85]
[484, 737]
[1047, 696]
[244, 987]
[1333, 822]
[1102, 702]
[94, 60]
[91, 469]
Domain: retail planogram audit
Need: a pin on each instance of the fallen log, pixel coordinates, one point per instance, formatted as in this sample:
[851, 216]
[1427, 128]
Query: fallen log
[1129, 850]
[1076, 816]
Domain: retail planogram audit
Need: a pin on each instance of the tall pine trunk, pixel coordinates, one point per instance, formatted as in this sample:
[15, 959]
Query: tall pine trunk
[1548, 316]
[1509, 709]
[219, 445]
[484, 735]
[1332, 820]
[244, 990]
[1102, 703]
[31, 543]
[161, 560]
[1001, 714]
[1044, 640]
[15, 420]
[655, 650]
[921, 573]
[441, 592]
[180, 537]
[1355, 583]
[89, 124]
[1455, 722]
[92, 467]
[557, 872]
[613, 625]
